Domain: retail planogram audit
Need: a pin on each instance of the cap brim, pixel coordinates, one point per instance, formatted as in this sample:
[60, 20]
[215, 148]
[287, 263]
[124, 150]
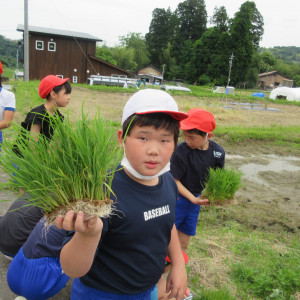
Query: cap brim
[186, 127]
[179, 116]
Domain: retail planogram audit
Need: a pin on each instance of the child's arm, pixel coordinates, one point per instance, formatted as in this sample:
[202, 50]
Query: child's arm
[177, 278]
[188, 195]
[77, 255]
[8, 116]
[35, 130]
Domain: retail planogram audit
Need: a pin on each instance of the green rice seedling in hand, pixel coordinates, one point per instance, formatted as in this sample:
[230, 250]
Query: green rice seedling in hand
[221, 185]
[69, 173]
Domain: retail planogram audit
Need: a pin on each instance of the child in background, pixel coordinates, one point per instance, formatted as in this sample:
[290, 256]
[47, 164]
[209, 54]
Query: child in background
[17, 224]
[190, 165]
[38, 121]
[35, 272]
[123, 256]
[7, 106]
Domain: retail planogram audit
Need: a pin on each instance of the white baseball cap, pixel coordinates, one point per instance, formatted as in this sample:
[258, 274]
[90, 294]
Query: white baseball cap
[152, 101]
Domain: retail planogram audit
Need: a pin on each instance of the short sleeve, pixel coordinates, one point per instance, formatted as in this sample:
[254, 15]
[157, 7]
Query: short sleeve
[10, 101]
[177, 167]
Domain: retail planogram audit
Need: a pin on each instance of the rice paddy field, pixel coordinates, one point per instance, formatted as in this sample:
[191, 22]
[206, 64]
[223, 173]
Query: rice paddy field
[249, 249]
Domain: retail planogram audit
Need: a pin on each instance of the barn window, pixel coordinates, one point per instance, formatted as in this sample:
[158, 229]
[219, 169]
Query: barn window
[52, 46]
[60, 76]
[39, 45]
[74, 79]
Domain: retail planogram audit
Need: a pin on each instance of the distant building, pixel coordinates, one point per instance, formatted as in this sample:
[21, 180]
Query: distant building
[66, 54]
[150, 74]
[273, 79]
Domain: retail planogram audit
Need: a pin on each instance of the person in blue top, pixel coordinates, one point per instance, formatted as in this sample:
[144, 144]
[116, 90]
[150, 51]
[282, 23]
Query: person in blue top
[123, 256]
[7, 106]
[35, 272]
[190, 165]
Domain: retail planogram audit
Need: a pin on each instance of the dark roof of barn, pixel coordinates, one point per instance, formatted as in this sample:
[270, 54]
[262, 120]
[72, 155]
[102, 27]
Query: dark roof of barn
[51, 31]
[111, 65]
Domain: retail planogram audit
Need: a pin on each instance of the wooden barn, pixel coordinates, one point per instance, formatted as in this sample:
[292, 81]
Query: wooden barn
[66, 54]
[273, 79]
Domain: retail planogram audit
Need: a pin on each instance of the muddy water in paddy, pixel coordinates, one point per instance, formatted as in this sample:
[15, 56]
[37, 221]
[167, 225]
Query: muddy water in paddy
[269, 179]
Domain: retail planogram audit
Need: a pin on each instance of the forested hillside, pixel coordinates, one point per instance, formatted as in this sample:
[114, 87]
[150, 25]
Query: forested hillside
[290, 53]
[8, 51]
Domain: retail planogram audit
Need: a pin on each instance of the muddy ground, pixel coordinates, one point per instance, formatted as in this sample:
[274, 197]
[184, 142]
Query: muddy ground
[271, 176]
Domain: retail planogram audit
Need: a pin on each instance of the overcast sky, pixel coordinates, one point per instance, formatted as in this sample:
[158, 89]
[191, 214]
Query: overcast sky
[108, 20]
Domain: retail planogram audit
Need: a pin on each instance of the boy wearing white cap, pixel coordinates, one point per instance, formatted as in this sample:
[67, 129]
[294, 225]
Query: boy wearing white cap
[123, 256]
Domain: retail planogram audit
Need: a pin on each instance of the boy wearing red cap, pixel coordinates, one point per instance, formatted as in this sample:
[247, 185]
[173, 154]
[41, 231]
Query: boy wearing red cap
[7, 106]
[190, 165]
[123, 256]
[38, 121]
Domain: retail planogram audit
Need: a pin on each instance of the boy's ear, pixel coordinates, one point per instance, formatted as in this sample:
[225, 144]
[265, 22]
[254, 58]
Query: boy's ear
[120, 137]
[210, 135]
[52, 94]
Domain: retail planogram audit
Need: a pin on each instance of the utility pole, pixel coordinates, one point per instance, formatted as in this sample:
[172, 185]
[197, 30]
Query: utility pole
[26, 42]
[163, 72]
[230, 65]
[17, 69]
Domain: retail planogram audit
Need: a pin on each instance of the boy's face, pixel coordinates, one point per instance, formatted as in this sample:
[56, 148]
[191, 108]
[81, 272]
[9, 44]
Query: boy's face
[195, 141]
[148, 149]
[61, 98]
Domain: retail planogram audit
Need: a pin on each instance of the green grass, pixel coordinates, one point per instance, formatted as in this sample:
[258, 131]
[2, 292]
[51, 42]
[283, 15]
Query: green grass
[274, 133]
[242, 262]
[9, 73]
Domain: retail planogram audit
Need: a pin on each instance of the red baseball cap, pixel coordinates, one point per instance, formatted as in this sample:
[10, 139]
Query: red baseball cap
[200, 119]
[1, 69]
[48, 83]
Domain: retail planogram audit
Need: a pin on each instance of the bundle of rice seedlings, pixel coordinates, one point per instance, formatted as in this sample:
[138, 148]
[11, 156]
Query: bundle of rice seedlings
[72, 172]
[221, 185]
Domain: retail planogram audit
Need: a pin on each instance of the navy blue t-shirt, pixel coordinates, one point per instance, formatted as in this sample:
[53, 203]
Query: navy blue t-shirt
[191, 166]
[133, 247]
[44, 242]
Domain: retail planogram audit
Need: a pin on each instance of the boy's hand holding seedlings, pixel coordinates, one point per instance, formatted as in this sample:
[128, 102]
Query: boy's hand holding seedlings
[85, 241]
[188, 195]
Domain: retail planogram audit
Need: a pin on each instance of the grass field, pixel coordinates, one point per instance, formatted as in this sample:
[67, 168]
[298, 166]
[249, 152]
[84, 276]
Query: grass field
[251, 248]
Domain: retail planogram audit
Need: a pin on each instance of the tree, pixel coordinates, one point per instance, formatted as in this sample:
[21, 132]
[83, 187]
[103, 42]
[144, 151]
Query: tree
[8, 51]
[192, 17]
[210, 56]
[105, 53]
[246, 29]
[124, 58]
[137, 43]
[168, 62]
[266, 62]
[160, 34]
[220, 18]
